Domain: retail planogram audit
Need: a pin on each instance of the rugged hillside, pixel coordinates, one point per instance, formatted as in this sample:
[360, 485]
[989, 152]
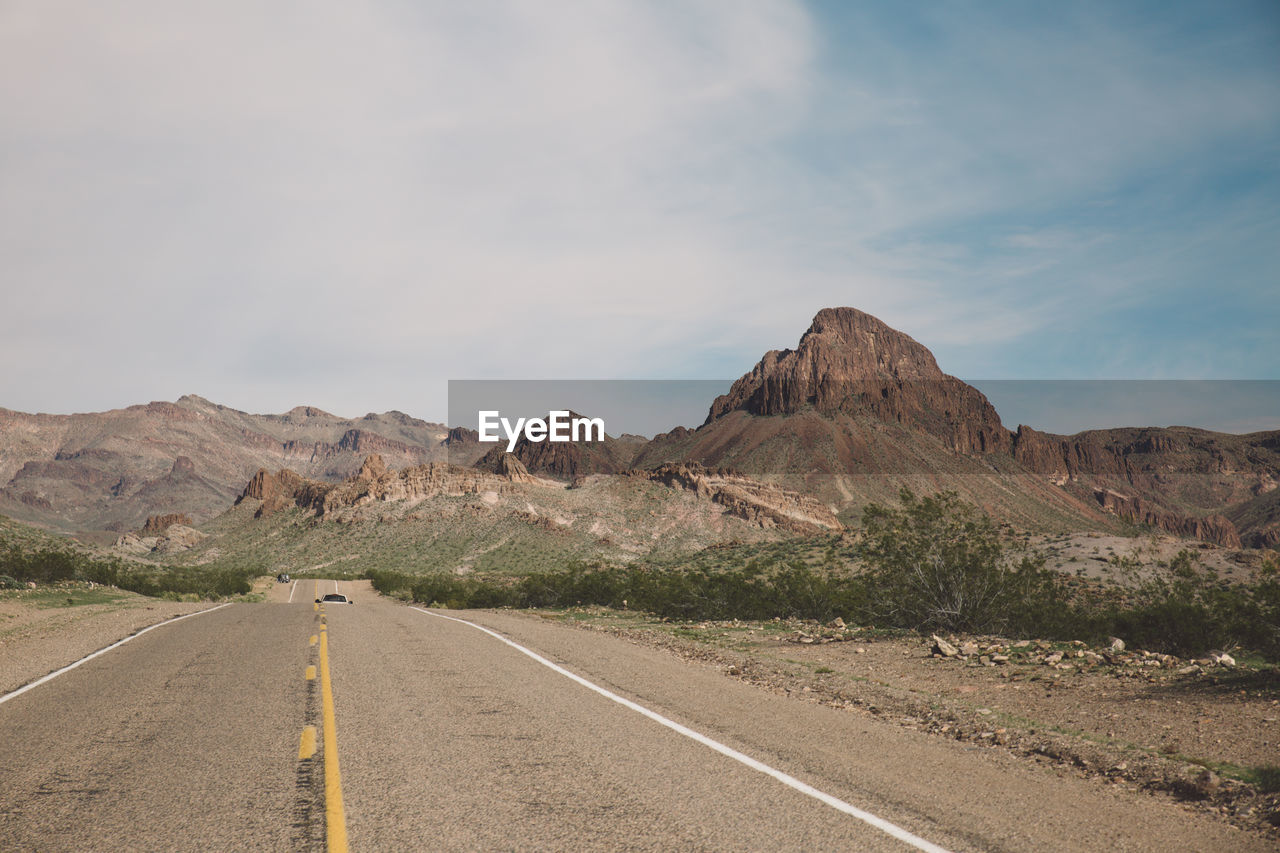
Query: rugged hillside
[445, 517]
[566, 460]
[855, 412]
[850, 363]
[1191, 482]
[111, 470]
[858, 410]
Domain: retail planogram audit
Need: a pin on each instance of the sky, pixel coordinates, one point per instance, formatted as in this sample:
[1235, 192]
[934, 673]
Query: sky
[347, 205]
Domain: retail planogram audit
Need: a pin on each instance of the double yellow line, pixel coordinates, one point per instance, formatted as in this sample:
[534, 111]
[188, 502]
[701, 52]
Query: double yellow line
[335, 813]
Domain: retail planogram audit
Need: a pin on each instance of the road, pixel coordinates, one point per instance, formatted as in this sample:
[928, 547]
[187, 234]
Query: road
[188, 738]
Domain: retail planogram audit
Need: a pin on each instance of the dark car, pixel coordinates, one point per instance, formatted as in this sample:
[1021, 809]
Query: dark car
[335, 596]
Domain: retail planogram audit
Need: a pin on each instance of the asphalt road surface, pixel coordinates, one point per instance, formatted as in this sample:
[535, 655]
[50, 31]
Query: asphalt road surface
[194, 736]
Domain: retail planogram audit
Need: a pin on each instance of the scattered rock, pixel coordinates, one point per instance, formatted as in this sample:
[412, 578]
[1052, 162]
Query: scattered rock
[1221, 658]
[1117, 644]
[943, 648]
[158, 524]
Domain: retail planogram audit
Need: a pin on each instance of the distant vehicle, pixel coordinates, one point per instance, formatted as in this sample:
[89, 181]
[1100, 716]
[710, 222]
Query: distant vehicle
[283, 577]
[335, 596]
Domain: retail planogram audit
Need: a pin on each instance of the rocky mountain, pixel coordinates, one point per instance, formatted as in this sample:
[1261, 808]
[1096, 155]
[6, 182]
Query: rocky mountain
[564, 460]
[855, 412]
[460, 519]
[859, 410]
[850, 363]
[1190, 482]
[112, 470]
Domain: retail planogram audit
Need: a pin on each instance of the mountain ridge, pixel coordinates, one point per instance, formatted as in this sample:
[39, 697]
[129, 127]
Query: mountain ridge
[854, 412]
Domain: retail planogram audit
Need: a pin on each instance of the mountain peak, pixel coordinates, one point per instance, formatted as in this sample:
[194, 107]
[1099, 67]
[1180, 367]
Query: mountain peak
[851, 363]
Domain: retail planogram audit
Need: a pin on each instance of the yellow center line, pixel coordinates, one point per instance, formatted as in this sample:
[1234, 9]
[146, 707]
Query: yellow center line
[307, 747]
[335, 814]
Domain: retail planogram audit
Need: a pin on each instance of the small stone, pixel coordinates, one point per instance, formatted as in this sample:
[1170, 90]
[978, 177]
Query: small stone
[942, 647]
[1000, 658]
[1053, 658]
[836, 623]
[1117, 644]
[968, 648]
[1207, 782]
[1189, 670]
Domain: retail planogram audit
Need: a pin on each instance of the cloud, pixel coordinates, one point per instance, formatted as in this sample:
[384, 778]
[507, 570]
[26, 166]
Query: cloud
[347, 204]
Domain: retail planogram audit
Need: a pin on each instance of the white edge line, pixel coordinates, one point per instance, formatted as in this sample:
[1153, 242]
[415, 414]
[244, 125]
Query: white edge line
[788, 780]
[292, 590]
[24, 688]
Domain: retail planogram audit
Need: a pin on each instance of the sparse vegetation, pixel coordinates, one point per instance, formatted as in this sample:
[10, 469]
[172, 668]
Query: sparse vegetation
[939, 563]
[933, 563]
[47, 563]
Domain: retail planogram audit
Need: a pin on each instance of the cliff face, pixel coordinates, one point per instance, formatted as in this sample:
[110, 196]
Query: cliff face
[851, 363]
[1211, 528]
[1182, 480]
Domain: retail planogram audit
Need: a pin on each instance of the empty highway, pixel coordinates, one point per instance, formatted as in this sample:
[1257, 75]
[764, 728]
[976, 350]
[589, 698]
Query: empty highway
[211, 733]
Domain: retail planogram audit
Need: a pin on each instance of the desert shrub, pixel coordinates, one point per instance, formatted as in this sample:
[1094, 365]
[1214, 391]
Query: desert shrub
[43, 566]
[49, 565]
[1193, 611]
[940, 563]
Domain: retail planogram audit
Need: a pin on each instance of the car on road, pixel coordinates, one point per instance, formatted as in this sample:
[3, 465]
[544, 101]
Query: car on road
[335, 597]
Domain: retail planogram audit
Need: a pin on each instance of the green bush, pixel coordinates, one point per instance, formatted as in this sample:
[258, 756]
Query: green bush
[49, 565]
[939, 563]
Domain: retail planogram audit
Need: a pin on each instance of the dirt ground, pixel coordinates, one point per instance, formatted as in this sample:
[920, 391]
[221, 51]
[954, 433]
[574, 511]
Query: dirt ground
[45, 629]
[1129, 560]
[1204, 733]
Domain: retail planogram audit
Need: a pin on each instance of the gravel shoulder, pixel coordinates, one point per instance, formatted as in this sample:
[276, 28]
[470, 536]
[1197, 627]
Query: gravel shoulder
[44, 629]
[1197, 734]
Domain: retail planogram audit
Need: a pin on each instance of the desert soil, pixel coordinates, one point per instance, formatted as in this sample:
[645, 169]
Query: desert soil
[42, 630]
[1174, 728]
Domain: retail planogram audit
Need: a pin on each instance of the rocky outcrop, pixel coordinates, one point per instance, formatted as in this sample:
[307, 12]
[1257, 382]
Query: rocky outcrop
[1213, 528]
[568, 459]
[158, 524]
[376, 482]
[1145, 475]
[513, 469]
[462, 435]
[264, 485]
[849, 362]
[277, 491]
[759, 503]
[172, 539]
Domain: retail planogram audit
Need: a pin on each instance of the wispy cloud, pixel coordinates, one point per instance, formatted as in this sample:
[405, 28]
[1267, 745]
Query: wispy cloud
[346, 205]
